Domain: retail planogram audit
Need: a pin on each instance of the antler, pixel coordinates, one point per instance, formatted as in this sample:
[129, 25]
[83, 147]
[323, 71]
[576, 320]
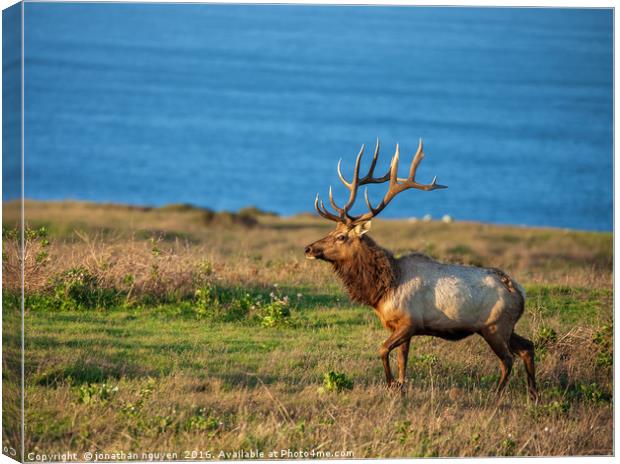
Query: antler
[396, 185]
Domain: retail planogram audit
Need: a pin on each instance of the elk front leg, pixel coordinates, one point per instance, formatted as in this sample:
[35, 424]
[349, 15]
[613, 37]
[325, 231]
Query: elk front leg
[403, 355]
[398, 337]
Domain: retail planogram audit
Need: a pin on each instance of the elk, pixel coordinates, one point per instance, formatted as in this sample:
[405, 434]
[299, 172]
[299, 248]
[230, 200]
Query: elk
[415, 294]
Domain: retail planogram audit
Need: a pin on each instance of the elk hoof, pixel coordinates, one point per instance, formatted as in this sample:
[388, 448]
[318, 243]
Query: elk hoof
[396, 386]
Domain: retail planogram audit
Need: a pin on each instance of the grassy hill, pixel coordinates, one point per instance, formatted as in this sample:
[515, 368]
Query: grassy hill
[178, 328]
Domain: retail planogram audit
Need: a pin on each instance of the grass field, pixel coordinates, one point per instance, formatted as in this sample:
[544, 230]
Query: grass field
[179, 330]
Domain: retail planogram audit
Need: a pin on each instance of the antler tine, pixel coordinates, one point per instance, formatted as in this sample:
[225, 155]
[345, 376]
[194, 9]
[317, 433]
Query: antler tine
[394, 168]
[351, 186]
[419, 156]
[392, 176]
[368, 178]
[357, 169]
[371, 171]
[324, 211]
[410, 181]
[331, 200]
[396, 185]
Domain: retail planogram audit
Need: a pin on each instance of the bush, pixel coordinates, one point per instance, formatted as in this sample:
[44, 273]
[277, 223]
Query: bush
[77, 288]
[221, 305]
[603, 338]
[202, 421]
[593, 393]
[545, 336]
[93, 393]
[276, 312]
[336, 382]
[74, 289]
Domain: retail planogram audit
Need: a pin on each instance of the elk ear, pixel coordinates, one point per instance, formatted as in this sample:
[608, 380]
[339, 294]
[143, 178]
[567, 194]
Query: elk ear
[362, 228]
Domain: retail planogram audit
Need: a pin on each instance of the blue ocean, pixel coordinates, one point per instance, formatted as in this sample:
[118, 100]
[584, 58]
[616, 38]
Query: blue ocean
[226, 106]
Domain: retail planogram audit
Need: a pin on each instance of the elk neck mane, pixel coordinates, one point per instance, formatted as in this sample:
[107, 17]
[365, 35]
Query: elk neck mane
[369, 274]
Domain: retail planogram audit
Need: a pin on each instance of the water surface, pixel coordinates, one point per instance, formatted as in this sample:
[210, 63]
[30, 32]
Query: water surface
[226, 106]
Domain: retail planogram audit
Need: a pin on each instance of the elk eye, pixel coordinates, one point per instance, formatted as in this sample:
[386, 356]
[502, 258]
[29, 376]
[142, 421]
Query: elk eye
[341, 238]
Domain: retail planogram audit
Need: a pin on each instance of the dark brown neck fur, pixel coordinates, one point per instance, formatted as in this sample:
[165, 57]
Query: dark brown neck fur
[369, 274]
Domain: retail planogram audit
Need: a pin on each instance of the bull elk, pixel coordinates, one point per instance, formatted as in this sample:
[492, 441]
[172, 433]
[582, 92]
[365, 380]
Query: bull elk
[415, 294]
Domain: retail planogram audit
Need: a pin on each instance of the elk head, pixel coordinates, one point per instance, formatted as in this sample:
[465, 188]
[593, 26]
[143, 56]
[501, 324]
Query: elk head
[346, 239]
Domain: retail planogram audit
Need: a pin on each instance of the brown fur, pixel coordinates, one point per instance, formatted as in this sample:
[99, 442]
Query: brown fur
[508, 283]
[369, 273]
[504, 278]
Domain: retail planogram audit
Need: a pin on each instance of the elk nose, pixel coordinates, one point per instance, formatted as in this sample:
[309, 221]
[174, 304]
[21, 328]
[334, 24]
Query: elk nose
[308, 249]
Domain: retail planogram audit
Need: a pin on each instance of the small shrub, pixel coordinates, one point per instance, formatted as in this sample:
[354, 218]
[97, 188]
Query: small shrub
[92, 393]
[276, 312]
[336, 382]
[603, 338]
[425, 360]
[129, 280]
[545, 336]
[507, 447]
[221, 305]
[74, 289]
[402, 431]
[605, 359]
[553, 408]
[201, 421]
[203, 270]
[239, 307]
[593, 393]
[557, 407]
[134, 408]
[475, 441]
[206, 301]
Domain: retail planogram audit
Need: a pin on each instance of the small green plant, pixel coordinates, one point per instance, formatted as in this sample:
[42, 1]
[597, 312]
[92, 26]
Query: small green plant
[203, 270]
[76, 289]
[276, 312]
[553, 408]
[92, 393]
[133, 409]
[129, 280]
[475, 441]
[507, 447]
[557, 407]
[221, 305]
[425, 360]
[593, 393]
[402, 431]
[545, 336]
[336, 382]
[36, 239]
[603, 338]
[155, 250]
[605, 359]
[42, 257]
[202, 421]
[206, 301]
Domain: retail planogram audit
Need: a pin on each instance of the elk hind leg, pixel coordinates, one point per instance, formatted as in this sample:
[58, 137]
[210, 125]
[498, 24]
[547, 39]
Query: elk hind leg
[525, 349]
[501, 348]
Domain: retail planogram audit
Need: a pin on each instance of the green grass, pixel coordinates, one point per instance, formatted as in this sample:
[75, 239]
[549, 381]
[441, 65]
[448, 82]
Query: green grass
[73, 352]
[570, 305]
[172, 340]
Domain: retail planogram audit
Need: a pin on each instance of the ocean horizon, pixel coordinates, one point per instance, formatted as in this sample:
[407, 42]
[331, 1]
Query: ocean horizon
[230, 106]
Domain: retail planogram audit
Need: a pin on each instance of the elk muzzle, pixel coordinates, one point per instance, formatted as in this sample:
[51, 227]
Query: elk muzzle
[314, 252]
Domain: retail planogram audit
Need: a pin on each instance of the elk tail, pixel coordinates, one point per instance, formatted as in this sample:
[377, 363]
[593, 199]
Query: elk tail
[511, 285]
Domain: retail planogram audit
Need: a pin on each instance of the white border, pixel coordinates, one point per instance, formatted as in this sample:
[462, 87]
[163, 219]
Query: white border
[462, 3]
